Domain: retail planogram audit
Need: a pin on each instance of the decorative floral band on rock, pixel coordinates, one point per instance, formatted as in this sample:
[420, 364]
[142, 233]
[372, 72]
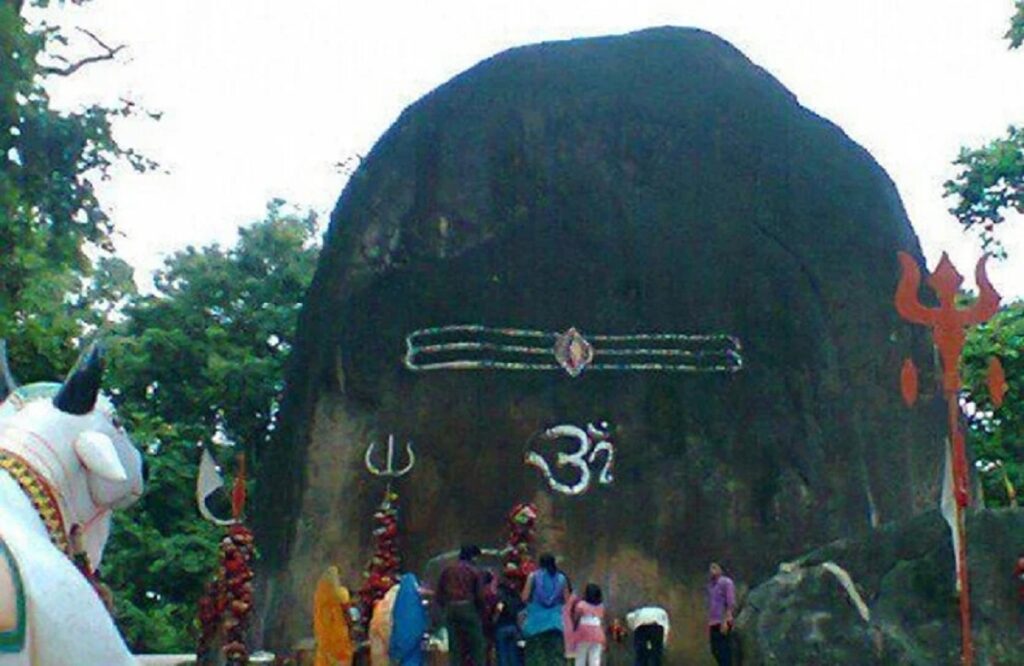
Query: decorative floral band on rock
[476, 347]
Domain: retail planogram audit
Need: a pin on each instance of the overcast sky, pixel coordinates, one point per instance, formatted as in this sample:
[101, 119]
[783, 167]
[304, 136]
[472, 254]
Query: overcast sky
[261, 97]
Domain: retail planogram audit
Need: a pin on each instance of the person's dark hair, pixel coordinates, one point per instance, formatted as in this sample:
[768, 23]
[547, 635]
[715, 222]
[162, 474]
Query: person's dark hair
[592, 595]
[468, 553]
[547, 563]
[488, 577]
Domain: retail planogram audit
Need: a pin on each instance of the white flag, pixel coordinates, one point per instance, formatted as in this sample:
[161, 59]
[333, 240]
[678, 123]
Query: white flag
[948, 507]
[209, 482]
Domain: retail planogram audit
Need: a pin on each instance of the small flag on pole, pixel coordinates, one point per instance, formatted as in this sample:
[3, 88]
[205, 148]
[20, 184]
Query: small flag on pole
[948, 507]
[209, 482]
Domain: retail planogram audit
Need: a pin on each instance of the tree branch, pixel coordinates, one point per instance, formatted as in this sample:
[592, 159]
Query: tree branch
[109, 53]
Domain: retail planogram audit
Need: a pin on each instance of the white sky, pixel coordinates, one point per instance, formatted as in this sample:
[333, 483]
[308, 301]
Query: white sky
[262, 97]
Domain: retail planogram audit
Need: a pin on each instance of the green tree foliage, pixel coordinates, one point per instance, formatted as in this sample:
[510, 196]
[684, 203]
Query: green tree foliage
[1016, 32]
[990, 181]
[989, 185]
[50, 218]
[199, 361]
[997, 434]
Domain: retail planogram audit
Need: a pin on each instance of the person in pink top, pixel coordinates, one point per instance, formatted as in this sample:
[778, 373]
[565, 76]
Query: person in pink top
[588, 616]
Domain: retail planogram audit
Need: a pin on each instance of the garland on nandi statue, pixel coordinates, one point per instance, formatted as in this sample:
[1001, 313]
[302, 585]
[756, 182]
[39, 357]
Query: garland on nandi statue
[65, 464]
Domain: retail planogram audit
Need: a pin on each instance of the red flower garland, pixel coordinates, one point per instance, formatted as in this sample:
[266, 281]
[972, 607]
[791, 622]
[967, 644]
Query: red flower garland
[522, 523]
[383, 568]
[225, 608]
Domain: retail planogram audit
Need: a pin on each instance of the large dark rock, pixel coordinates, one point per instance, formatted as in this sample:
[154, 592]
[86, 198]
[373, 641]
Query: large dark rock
[904, 576]
[651, 182]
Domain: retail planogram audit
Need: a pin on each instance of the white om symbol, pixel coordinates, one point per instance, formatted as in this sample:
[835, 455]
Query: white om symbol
[592, 443]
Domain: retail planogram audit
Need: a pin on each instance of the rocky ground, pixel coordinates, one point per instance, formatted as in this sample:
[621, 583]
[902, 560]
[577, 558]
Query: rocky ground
[889, 598]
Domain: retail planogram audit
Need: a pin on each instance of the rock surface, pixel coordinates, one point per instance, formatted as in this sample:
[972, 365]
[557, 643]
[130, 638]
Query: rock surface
[904, 575]
[651, 182]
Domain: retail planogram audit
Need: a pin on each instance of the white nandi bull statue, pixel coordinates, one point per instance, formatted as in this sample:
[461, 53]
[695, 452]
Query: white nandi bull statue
[65, 464]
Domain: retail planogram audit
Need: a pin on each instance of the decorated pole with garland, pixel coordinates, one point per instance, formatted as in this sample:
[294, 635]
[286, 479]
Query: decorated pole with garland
[383, 569]
[225, 608]
[522, 527]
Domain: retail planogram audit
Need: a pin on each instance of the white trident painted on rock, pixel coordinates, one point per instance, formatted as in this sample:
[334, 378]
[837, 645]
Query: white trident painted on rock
[389, 472]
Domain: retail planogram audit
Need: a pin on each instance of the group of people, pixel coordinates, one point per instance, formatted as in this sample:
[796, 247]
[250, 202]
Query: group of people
[545, 623]
[396, 629]
[505, 622]
[494, 622]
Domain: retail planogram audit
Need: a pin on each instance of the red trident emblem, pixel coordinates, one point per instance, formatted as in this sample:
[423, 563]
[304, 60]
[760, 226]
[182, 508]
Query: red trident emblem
[946, 321]
[948, 324]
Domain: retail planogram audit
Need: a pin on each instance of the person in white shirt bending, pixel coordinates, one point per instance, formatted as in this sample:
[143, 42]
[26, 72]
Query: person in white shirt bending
[650, 628]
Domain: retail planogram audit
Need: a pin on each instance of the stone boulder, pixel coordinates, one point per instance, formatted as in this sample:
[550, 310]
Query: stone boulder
[890, 598]
[655, 182]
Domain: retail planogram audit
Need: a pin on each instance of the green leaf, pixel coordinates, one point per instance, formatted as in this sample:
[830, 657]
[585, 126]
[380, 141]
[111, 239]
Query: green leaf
[998, 437]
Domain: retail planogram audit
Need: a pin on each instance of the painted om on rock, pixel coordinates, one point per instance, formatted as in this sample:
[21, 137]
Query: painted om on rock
[591, 444]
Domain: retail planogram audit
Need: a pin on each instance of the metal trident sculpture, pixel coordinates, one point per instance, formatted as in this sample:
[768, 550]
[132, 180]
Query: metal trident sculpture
[389, 472]
[948, 324]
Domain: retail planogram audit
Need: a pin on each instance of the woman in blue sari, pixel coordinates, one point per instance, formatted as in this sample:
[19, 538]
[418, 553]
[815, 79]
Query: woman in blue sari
[545, 594]
[408, 625]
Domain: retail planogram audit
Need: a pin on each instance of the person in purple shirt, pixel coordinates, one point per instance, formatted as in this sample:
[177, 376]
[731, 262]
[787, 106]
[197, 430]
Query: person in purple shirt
[721, 603]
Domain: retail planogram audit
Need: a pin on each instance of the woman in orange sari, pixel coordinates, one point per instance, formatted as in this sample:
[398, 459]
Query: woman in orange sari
[330, 621]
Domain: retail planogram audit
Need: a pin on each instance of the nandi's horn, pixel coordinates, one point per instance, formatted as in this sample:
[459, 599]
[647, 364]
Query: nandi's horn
[79, 392]
[7, 383]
